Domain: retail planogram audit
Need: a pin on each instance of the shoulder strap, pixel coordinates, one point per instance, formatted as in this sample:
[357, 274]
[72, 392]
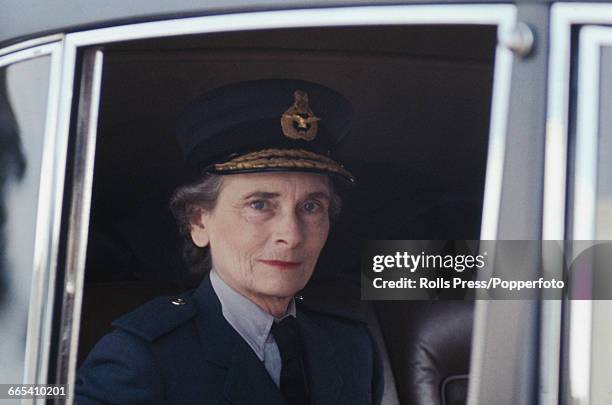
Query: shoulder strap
[158, 317]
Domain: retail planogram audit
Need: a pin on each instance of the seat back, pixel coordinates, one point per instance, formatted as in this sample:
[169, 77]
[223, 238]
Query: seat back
[430, 344]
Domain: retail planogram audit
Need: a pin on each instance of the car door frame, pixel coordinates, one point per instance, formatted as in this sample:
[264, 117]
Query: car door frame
[76, 131]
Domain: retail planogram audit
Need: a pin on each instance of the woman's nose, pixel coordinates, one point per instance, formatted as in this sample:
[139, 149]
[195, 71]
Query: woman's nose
[289, 229]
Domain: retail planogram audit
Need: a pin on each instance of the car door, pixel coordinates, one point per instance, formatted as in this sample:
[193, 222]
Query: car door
[30, 207]
[575, 332]
[481, 104]
[588, 323]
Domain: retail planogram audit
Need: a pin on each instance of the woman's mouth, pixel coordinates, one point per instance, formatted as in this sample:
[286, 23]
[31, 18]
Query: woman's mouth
[281, 264]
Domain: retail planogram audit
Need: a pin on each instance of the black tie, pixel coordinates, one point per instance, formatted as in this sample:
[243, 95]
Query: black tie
[293, 384]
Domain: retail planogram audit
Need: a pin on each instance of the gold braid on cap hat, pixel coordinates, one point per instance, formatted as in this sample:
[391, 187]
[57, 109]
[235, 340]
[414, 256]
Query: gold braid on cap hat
[283, 159]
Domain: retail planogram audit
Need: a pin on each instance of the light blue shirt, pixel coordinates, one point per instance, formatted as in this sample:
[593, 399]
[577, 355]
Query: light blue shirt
[252, 323]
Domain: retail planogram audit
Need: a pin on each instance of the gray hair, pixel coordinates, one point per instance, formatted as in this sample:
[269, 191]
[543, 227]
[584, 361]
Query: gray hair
[188, 200]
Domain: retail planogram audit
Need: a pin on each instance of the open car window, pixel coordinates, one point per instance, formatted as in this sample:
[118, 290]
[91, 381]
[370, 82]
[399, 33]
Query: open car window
[419, 146]
[430, 87]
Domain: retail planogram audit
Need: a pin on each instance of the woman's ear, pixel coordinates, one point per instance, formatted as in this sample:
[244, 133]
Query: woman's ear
[199, 230]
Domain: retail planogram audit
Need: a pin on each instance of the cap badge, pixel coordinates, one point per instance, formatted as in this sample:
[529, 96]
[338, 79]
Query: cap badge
[299, 122]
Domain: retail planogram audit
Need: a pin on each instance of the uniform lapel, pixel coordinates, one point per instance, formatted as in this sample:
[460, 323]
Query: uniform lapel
[324, 373]
[247, 380]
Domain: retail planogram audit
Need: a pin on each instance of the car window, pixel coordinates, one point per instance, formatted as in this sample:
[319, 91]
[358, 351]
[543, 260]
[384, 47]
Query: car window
[588, 328]
[23, 103]
[419, 143]
[603, 215]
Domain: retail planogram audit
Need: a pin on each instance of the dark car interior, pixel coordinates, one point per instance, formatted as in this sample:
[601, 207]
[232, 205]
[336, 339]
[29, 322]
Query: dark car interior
[418, 147]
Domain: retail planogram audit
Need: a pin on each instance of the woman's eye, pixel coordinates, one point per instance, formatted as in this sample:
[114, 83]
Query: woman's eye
[258, 205]
[312, 206]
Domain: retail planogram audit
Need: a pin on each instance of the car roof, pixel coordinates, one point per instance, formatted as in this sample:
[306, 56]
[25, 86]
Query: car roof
[21, 20]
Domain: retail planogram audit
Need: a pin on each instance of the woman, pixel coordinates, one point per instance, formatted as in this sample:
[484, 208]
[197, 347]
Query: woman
[255, 215]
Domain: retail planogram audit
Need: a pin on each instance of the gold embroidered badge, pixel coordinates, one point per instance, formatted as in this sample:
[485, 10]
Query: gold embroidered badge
[299, 122]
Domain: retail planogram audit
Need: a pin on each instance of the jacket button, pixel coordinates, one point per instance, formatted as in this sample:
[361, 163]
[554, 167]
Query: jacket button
[178, 301]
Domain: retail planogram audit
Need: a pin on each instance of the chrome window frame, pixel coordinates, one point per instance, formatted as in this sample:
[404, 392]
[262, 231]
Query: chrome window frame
[584, 193]
[78, 218]
[35, 42]
[564, 16]
[40, 309]
[501, 15]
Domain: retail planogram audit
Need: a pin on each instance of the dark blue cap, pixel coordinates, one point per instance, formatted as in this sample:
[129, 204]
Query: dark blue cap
[265, 125]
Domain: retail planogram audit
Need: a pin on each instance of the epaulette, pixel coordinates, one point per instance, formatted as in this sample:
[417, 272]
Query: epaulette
[158, 317]
[345, 313]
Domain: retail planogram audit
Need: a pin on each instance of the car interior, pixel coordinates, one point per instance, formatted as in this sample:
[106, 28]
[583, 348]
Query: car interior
[418, 147]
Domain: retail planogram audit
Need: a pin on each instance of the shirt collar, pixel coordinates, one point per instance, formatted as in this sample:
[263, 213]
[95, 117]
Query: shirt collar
[249, 320]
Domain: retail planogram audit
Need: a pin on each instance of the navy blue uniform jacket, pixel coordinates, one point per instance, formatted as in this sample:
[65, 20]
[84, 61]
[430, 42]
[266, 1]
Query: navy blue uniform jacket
[189, 354]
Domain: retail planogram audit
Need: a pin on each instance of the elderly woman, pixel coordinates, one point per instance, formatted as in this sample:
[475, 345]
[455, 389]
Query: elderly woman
[255, 215]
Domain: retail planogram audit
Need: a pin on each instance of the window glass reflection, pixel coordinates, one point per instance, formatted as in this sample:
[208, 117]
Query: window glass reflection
[604, 171]
[23, 102]
[601, 351]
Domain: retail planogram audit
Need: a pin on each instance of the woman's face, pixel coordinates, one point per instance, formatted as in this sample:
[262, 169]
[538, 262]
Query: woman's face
[266, 231]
